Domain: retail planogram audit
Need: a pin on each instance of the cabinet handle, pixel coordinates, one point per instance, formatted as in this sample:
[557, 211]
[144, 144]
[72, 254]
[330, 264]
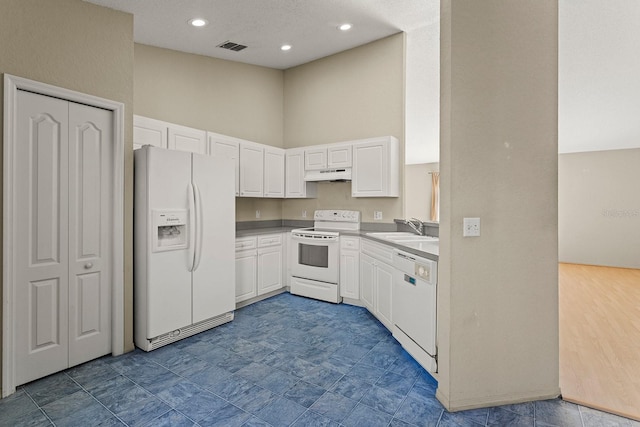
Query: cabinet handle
[88, 265]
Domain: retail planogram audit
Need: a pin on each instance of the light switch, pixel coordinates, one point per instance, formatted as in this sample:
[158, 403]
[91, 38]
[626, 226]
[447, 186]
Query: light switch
[471, 227]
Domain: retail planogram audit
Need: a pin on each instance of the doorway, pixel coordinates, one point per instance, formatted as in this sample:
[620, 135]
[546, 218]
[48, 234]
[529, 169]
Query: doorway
[63, 222]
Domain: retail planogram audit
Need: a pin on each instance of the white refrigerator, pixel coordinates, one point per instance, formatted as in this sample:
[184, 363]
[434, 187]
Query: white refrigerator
[184, 234]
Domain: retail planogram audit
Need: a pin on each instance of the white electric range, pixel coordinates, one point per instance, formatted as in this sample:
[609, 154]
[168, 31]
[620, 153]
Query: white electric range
[316, 254]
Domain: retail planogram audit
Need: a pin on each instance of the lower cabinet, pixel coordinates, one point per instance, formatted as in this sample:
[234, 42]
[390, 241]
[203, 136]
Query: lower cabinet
[246, 268]
[350, 267]
[259, 265]
[376, 281]
[269, 263]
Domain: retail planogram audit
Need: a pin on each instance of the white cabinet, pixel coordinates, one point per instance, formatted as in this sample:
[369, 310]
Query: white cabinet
[148, 131]
[376, 167]
[350, 267]
[259, 265]
[295, 185]
[270, 263]
[251, 170]
[162, 134]
[376, 280]
[246, 268]
[187, 139]
[328, 156]
[226, 147]
[273, 172]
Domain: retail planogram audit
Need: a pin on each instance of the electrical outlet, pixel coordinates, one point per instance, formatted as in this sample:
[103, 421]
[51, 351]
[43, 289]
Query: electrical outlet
[304, 214]
[377, 215]
[471, 227]
[258, 213]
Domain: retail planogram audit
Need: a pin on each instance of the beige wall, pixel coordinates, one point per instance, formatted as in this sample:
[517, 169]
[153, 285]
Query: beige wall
[417, 190]
[498, 293]
[231, 98]
[82, 47]
[351, 95]
[599, 208]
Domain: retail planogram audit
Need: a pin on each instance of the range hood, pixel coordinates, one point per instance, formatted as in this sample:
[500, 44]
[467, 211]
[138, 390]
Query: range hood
[339, 174]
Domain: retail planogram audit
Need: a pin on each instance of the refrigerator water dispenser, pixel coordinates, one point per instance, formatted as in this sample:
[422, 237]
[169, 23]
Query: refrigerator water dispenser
[170, 230]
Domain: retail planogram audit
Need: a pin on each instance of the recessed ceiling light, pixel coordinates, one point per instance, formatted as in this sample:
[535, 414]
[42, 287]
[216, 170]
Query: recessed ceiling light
[198, 22]
[344, 27]
[285, 47]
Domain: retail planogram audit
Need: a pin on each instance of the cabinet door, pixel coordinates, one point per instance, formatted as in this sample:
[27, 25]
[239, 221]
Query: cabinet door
[376, 168]
[251, 170]
[246, 275]
[295, 185]
[187, 139]
[315, 158]
[349, 274]
[269, 269]
[384, 286]
[339, 156]
[227, 148]
[273, 172]
[367, 281]
[148, 131]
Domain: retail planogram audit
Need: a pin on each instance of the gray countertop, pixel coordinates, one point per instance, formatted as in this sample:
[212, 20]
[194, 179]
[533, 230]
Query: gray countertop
[249, 231]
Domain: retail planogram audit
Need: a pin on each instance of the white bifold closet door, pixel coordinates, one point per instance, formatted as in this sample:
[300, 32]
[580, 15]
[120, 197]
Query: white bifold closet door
[62, 208]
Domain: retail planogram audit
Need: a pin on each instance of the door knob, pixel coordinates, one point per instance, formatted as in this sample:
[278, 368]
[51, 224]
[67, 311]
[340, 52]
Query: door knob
[88, 265]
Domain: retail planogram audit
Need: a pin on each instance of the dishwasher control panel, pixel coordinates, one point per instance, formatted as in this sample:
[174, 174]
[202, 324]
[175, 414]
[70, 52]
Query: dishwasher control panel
[416, 268]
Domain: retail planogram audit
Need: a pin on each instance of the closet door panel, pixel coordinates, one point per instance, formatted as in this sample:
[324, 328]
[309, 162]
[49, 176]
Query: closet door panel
[41, 253]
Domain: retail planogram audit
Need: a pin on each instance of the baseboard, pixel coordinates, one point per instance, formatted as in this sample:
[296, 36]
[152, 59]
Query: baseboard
[496, 400]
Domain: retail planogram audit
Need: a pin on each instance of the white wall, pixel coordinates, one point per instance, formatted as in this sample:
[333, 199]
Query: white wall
[598, 74]
[599, 208]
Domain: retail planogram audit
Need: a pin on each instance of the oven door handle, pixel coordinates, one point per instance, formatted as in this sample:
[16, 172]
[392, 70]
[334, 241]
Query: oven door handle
[314, 238]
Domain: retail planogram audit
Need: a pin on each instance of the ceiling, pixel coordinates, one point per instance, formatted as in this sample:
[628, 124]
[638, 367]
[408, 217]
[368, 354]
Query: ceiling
[598, 87]
[309, 26]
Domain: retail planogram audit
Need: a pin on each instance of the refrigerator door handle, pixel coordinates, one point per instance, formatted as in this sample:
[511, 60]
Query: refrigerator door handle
[199, 225]
[192, 228]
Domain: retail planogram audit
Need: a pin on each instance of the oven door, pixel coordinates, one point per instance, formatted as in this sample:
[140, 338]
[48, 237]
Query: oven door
[315, 257]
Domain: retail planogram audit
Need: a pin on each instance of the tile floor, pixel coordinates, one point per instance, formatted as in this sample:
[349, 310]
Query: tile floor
[283, 361]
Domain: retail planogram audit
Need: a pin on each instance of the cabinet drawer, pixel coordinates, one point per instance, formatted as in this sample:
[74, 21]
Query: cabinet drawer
[380, 252]
[269, 240]
[244, 243]
[349, 242]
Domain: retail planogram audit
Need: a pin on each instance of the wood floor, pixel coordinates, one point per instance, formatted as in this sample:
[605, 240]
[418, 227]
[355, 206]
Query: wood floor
[600, 337]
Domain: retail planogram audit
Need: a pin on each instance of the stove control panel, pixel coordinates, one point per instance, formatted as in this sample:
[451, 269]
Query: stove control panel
[337, 216]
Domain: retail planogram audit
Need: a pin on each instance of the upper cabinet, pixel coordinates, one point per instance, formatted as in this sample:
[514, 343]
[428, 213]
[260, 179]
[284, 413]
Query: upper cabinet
[251, 169]
[328, 156]
[295, 186]
[183, 138]
[161, 134]
[376, 167]
[372, 164]
[273, 172]
[148, 131]
[225, 147]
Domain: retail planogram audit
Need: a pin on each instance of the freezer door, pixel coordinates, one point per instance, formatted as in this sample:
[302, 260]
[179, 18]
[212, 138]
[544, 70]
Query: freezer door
[214, 272]
[168, 285]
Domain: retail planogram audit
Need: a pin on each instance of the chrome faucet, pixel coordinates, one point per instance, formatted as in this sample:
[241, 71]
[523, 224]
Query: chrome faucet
[416, 225]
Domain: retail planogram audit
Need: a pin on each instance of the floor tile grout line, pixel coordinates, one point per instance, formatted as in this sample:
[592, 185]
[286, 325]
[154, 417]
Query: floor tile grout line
[42, 411]
[94, 398]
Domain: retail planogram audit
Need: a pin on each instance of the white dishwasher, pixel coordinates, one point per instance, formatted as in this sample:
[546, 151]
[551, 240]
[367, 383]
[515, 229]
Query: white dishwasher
[414, 307]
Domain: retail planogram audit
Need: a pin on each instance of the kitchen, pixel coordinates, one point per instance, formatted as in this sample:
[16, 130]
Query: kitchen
[168, 86]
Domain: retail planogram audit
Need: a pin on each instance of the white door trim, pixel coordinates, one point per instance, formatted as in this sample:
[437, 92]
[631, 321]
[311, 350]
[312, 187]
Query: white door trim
[11, 86]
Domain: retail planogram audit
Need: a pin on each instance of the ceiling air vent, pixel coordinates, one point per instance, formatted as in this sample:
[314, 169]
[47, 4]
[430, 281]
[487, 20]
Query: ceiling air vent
[236, 47]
